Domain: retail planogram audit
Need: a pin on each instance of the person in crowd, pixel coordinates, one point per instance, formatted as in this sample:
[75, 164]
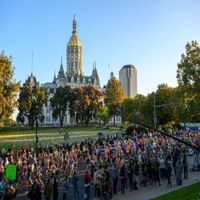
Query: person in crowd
[136, 175]
[156, 170]
[66, 188]
[169, 171]
[114, 176]
[48, 190]
[185, 167]
[38, 195]
[31, 193]
[122, 175]
[179, 171]
[87, 181]
[130, 175]
[55, 189]
[75, 180]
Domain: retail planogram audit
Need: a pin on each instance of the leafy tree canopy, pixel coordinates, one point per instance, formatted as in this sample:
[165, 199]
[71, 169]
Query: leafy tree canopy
[189, 67]
[8, 89]
[114, 96]
[60, 103]
[31, 101]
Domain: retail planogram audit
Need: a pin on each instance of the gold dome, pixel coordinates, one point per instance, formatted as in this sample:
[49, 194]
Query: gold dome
[74, 40]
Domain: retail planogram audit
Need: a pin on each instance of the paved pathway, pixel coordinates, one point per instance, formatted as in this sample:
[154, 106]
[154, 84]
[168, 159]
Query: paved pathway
[153, 191]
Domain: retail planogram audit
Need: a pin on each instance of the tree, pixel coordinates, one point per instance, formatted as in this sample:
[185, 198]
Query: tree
[188, 76]
[8, 89]
[114, 97]
[166, 98]
[60, 103]
[188, 71]
[102, 114]
[146, 109]
[87, 102]
[132, 108]
[31, 101]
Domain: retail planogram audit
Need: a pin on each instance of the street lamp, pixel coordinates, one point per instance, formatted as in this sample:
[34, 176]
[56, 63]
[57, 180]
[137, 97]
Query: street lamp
[35, 111]
[36, 133]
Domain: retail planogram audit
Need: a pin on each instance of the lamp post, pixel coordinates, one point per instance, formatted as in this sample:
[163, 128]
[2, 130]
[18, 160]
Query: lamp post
[36, 133]
[36, 120]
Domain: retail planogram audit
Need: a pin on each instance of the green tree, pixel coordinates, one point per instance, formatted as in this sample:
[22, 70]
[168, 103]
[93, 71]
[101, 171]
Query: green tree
[188, 71]
[132, 108]
[147, 110]
[188, 76]
[8, 90]
[86, 103]
[31, 101]
[60, 103]
[114, 96]
[103, 114]
[166, 98]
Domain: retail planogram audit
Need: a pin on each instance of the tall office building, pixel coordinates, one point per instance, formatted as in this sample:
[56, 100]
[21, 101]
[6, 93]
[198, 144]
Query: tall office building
[128, 78]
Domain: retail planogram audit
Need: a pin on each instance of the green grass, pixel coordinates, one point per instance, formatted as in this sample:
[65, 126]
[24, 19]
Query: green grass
[187, 193]
[18, 137]
[27, 130]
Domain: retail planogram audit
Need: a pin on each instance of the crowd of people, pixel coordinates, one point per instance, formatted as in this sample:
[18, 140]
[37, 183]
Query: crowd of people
[128, 162]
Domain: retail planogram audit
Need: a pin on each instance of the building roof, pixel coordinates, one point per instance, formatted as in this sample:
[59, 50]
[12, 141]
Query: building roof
[74, 40]
[128, 67]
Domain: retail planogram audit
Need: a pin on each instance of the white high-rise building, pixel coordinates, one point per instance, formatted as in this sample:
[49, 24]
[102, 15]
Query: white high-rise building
[128, 78]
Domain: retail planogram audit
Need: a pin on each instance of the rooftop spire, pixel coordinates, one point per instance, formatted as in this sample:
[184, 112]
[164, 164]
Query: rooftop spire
[74, 24]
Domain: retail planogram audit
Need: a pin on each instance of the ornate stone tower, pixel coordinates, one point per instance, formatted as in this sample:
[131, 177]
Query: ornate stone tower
[74, 53]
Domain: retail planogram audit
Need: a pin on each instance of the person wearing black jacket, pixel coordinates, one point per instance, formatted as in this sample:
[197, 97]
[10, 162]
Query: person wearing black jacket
[130, 175]
[38, 195]
[122, 178]
[31, 193]
[55, 190]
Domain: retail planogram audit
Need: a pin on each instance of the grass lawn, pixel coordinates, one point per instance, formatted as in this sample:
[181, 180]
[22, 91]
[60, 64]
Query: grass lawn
[18, 137]
[27, 130]
[187, 193]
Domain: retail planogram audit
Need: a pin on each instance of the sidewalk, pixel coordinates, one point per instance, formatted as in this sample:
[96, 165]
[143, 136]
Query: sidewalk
[152, 191]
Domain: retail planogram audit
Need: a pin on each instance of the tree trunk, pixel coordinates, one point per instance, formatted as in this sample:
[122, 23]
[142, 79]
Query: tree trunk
[114, 120]
[61, 122]
[87, 119]
[32, 125]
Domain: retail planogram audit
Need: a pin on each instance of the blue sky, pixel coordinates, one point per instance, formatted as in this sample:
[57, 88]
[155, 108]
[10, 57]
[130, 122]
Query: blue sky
[148, 34]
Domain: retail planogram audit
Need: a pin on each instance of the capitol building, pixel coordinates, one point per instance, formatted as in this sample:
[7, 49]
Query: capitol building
[73, 77]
